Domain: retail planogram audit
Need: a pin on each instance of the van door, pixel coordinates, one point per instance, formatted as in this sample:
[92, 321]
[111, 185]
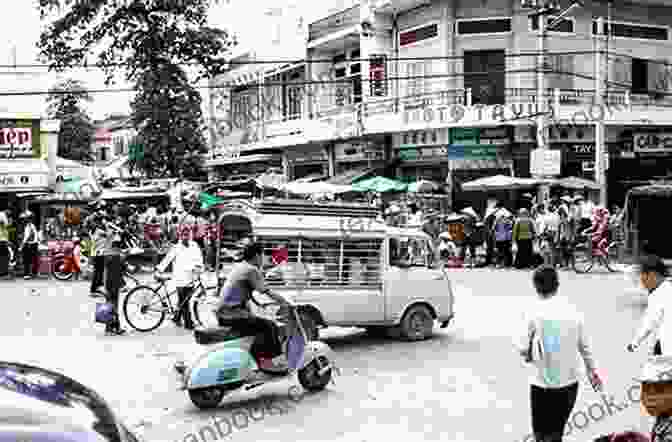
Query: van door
[409, 279]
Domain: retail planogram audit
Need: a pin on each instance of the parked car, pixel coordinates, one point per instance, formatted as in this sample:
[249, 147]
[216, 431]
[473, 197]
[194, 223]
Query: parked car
[41, 405]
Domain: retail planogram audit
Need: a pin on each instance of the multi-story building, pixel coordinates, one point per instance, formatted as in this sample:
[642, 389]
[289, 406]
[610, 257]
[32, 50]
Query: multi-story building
[447, 90]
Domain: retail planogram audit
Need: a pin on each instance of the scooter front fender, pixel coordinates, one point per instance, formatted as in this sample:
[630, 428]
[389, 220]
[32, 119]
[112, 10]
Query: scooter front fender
[221, 367]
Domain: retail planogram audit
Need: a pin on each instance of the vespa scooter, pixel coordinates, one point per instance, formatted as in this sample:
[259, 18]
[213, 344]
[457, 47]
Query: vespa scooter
[227, 366]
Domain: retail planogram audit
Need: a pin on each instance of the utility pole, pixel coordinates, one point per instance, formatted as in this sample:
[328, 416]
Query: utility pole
[600, 98]
[541, 11]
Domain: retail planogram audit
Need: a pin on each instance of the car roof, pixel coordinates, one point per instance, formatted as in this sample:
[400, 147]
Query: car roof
[41, 405]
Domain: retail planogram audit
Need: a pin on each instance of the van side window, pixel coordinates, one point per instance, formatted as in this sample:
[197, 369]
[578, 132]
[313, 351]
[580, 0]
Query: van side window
[322, 262]
[405, 252]
[361, 262]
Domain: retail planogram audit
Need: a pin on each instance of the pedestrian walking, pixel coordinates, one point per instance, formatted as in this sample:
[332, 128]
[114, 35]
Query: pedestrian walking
[113, 281]
[564, 238]
[657, 319]
[554, 336]
[503, 237]
[29, 244]
[99, 239]
[523, 235]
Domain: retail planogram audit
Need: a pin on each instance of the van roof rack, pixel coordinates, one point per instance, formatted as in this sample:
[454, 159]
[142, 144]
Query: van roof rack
[299, 207]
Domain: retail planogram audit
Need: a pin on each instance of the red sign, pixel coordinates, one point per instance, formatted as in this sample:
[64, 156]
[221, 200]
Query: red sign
[377, 68]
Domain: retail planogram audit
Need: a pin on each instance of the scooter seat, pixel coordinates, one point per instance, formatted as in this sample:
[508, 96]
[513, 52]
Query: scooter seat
[206, 336]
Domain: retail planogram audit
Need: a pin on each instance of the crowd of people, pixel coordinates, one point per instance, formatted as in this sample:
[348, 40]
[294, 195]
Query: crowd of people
[536, 233]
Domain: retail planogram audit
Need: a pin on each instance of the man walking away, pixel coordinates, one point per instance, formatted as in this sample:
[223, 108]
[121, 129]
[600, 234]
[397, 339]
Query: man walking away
[113, 265]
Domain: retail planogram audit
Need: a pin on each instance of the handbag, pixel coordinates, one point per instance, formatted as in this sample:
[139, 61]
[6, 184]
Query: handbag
[656, 379]
[104, 313]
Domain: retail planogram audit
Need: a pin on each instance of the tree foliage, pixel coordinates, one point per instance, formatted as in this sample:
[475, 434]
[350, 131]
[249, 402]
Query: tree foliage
[145, 39]
[168, 114]
[66, 103]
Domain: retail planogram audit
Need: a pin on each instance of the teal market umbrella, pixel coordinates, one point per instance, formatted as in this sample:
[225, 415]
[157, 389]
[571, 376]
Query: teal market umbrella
[379, 184]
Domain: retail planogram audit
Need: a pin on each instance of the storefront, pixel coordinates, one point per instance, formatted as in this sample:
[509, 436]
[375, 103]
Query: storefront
[232, 162]
[422, 155]
[640, 155]
[309, 160]
[358, 154]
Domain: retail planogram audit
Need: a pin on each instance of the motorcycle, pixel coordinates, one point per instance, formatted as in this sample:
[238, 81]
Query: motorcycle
[227, 366]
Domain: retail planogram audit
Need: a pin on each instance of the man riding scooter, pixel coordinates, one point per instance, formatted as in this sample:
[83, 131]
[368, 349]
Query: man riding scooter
[234, 311]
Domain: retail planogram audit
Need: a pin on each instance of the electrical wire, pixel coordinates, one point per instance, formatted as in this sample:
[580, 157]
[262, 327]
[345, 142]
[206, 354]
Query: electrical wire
[295, 61]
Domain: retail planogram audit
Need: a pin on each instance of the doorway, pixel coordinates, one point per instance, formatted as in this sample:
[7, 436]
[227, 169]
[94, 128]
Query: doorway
[484, 74]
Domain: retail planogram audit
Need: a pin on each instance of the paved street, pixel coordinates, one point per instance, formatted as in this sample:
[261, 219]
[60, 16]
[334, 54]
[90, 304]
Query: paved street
[466, 384]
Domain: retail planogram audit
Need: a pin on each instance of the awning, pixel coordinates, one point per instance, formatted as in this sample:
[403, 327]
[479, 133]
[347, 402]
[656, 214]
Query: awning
[319, 188]
[67, 198]
[351, 176]
[115, 195]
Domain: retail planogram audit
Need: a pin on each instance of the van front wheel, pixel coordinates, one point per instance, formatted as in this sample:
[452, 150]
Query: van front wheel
[417, 324]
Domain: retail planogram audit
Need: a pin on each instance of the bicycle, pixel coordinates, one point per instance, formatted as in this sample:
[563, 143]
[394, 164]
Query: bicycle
[155, 300]
[584, 258]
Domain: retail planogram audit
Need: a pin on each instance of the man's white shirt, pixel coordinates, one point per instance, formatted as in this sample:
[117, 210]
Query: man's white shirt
[657, 320]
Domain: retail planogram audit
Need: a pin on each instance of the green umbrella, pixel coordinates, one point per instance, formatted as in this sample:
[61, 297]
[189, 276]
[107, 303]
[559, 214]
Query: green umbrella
[379, 184]
[208, 200]
[72, 185]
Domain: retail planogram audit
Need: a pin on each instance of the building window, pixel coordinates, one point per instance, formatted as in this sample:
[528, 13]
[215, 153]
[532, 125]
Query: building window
[243, 109]
[634, 31]
[564, 26]
[640, 76]
[417, 82]
[417, 35]
[484, 26]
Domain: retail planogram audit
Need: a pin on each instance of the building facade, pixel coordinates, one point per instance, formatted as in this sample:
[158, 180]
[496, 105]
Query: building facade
[447, 90]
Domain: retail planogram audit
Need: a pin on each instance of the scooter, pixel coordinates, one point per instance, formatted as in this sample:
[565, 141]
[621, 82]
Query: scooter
[227, 366]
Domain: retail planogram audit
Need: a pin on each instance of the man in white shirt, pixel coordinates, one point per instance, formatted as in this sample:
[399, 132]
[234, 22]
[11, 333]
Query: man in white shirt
[185, 257]
[586, 208]
[657, 320]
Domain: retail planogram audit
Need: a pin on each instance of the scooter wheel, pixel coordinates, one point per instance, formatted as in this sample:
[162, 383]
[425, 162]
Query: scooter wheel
[206, 398]
[310, 377]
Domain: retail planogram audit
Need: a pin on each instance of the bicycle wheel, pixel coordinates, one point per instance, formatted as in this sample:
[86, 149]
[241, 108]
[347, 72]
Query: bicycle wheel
[59, 270]
[150, 305]
[582, 259]
[203, 305]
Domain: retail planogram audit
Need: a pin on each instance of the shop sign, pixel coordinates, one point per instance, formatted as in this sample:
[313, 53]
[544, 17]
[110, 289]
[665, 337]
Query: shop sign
[424, 138]
[653, 143]
[227, 152]
[464, 136]
[19, 138]
[377, 74]
[358, 152]
[413, 153]
[314, 155]
[545, 162]
[22, 181]
[474, 152]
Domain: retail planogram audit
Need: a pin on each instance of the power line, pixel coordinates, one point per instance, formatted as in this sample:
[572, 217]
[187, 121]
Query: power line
[346, 81]
[297, 61]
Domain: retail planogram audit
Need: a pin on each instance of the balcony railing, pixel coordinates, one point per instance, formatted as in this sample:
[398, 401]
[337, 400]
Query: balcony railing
[333, 23]
[330, 103]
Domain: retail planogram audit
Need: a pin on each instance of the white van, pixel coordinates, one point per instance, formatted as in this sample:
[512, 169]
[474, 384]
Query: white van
[345, 270]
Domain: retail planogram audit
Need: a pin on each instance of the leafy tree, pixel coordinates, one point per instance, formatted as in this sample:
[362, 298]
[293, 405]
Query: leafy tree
[167, 104]
[65, 101]
[149, 40]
